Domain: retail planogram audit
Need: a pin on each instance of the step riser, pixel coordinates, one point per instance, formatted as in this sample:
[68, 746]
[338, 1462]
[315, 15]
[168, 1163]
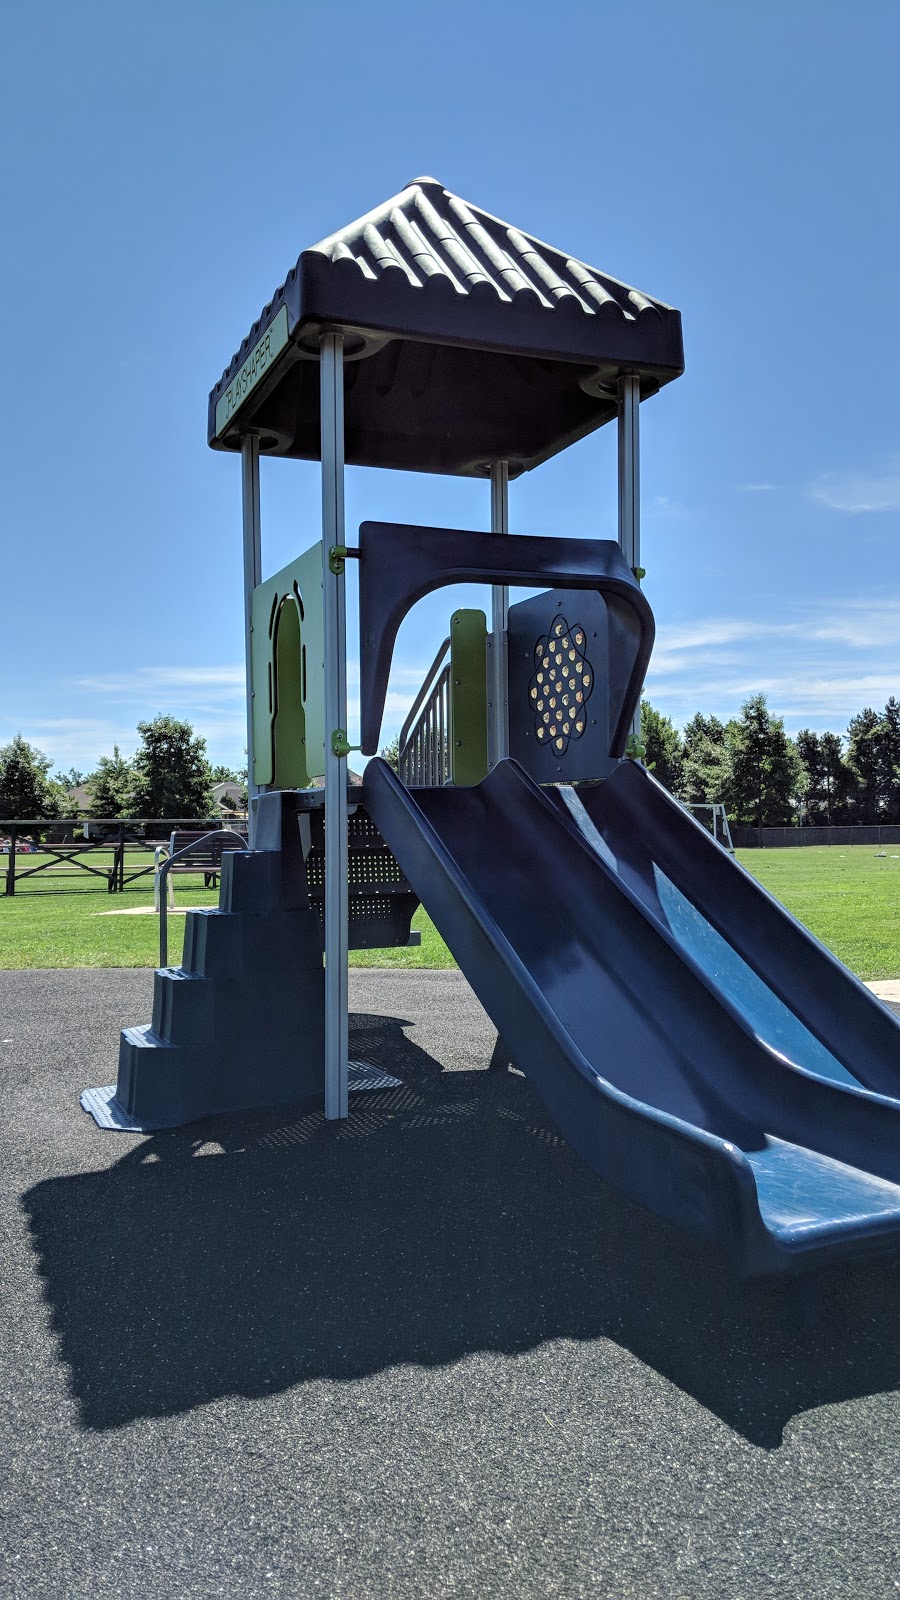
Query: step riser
[183, 1008]
[241, 1023]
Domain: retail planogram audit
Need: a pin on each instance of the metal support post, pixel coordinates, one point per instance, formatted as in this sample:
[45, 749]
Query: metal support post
[252, 577]
[498, 727]
[630, 486]
[336, 936]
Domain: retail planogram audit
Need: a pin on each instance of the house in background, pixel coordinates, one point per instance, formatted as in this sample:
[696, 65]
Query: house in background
[231, 799]
[80, 800]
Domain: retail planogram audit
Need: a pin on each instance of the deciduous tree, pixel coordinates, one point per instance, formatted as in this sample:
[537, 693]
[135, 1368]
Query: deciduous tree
[26, 789]
[663, 753]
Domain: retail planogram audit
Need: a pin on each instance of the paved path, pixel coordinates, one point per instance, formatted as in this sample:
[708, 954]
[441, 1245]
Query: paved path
[423, 1354]
[887, 989]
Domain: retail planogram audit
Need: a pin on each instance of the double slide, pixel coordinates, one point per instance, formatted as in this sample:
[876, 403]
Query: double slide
[692, 1041]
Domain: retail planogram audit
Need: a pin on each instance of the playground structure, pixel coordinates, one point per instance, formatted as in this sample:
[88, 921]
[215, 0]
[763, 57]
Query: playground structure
[696, 1045]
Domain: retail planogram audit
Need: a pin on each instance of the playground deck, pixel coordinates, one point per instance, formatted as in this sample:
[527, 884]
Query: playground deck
[423, 1353]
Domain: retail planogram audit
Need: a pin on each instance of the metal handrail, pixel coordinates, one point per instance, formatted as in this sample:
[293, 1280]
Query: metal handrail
[426, 758]
[217, 833]
[432, 672]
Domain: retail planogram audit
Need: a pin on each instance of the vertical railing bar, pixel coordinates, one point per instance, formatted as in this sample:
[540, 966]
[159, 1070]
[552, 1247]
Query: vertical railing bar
[446, 705]
[336, 895]
[250, 507]
[499, 718]
[427, 732]
[629, 484]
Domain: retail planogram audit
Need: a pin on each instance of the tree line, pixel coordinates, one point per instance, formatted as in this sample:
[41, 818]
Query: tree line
[168, 776]
[749, 764]
[766, 779]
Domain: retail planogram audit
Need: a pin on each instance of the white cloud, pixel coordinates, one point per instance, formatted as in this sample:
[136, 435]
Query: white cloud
[819, 662]
[856, 492]
[662, 505]
[228, 680]
[80, 741]
[757, 488]
[860, 624]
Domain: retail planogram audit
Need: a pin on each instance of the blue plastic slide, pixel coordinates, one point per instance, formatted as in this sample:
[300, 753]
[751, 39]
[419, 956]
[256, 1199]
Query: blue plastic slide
[696, 1046]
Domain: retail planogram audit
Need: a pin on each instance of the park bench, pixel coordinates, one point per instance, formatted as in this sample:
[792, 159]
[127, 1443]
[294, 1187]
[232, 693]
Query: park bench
[205, 857]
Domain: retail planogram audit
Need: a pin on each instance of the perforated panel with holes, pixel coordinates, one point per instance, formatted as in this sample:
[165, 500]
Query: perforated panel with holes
[558, 653]
[381, 902]
[561, 685]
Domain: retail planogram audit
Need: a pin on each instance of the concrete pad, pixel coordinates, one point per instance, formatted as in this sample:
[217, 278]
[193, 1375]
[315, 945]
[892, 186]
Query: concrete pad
[886, 989]
[148, 911]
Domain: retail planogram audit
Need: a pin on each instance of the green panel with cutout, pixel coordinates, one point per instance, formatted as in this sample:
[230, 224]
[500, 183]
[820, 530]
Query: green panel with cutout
[287, 674]
[468, 698]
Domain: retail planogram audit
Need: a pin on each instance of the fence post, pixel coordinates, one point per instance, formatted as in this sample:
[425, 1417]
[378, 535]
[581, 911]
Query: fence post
[11, 869]
[121, 857]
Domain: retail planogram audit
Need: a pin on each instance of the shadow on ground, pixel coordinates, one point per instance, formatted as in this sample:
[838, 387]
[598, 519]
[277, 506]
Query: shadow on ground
[248, 1254]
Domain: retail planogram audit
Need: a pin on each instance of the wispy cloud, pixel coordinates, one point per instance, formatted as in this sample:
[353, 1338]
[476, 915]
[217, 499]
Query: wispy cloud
[709, 641]
[80, 741]
[228, 680]
[662, 505]
[817, 663]
[757, 488]
[209, 697]
[858, 492]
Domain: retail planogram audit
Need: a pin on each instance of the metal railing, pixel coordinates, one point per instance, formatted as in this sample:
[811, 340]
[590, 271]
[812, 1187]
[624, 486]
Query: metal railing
[425, 755]
[163, 870]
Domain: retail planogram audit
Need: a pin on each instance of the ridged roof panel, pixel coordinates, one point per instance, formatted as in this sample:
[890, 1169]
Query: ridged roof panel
[425, 231]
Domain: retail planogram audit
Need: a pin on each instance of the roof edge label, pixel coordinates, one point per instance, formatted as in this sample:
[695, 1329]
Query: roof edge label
[261, 357]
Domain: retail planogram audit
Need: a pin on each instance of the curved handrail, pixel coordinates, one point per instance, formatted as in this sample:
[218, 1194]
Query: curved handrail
[217, 833]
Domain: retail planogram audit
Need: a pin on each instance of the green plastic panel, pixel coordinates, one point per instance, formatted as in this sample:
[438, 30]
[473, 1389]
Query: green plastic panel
[287, 674]
[468, 698]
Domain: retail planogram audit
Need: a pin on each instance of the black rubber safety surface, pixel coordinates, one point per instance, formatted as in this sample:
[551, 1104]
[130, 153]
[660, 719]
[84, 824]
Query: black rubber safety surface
[423, 1353]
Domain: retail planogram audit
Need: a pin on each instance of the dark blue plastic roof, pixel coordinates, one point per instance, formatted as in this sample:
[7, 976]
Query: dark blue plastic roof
[468, 340]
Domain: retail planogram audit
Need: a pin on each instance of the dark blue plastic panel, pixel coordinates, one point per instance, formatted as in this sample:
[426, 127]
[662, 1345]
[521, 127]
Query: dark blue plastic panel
[401, 562]
[558, 654]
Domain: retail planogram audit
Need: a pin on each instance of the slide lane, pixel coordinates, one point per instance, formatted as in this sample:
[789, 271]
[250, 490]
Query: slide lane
[650, 1068]
[791, 989]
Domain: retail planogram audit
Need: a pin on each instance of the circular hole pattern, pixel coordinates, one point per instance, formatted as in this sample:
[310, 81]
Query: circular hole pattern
[561, 683]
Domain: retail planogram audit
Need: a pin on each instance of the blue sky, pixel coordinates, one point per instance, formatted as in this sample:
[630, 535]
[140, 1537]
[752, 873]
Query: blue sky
[162, 167]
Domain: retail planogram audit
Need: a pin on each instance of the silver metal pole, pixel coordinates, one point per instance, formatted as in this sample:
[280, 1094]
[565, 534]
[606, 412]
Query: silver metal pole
[630, 484]
[336, 935]
[252, 577]
[498, 729]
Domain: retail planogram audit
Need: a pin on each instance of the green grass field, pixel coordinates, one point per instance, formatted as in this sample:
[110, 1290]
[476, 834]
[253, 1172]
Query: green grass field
[850, 898]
